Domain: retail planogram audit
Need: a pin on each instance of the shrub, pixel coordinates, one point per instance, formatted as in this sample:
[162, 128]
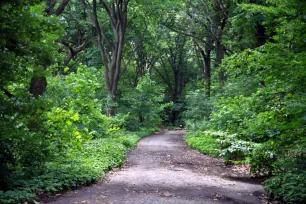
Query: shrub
[289, 187]
[79, 166]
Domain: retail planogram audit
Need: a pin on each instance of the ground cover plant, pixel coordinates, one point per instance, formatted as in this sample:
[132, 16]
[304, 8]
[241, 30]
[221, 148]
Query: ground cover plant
[204, 142]
[79, 167]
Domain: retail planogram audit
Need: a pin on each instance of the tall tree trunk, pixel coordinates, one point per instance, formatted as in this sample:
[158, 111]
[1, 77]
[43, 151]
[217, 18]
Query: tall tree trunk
[175, 95]
[207, 74]
[110, 47]
[219, 58]
[220, 20]
[206, 69]
[140, 61]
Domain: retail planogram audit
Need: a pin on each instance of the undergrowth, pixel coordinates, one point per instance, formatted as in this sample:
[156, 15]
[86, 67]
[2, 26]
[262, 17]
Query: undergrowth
[80, 166]
[205, 143]
[287, 184]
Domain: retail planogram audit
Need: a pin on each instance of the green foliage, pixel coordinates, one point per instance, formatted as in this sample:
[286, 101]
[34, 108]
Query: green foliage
[143, 104]
[288, 187]
[78, 94]
[78, 167]
[263, 159]
[234, 148]
[27, 41]
[198, 108]
[47, 143]
[230, 113]
[27, 48]
[63, 138]
[204, 142]
[261, 108]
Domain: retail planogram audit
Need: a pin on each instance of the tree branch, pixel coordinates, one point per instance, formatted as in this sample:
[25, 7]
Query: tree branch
[50, 4]
[7, 93]
[183, 33]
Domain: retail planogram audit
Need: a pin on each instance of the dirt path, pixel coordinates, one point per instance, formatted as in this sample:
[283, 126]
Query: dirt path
[163, 169]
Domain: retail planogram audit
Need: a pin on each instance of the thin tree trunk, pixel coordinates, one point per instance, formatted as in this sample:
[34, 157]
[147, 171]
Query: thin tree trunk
[206, 55]
[207, 76]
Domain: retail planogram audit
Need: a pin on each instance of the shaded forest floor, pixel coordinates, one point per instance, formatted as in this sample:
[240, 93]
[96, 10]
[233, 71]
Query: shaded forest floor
[163, 169]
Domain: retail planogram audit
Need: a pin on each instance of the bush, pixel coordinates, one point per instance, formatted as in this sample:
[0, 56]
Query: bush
[79, 93]
[62, 139]
[263, 159]
[79, 167]
[234, 149]
[288, 187]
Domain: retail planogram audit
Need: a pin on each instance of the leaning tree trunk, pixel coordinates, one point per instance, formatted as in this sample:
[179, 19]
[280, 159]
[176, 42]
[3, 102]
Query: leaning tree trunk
[112, 76]
[207, 68]
[207, 74]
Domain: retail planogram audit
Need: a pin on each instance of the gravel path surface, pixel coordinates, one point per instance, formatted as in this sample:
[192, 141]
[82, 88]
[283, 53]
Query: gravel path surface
[163, 169]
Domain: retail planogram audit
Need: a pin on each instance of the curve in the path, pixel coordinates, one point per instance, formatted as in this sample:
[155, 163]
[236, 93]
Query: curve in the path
[163, 169]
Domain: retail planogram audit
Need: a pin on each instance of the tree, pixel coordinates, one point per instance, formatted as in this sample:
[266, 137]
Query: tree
[110, 45]
[212, 18]
[206, 23]
[27, 48]
[25, 52]
[174, 70]
[78, 34]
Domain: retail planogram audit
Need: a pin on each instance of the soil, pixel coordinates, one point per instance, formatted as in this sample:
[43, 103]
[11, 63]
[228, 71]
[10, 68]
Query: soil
[163, 169]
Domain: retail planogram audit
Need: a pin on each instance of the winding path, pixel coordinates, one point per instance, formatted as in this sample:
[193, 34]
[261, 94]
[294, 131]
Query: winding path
[163, 169]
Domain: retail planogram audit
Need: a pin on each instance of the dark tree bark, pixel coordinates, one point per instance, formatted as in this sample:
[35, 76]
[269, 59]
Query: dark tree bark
[110, 49]
[219, 57]
[50, 4]
[38, 86]
[7, 93]
[213, 20]
[72, 51]
[206, 65]
[261, 34]
[141, 61]
[220, 20]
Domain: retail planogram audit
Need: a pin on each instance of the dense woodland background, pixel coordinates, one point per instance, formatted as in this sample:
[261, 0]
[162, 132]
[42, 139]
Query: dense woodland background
[83, 80]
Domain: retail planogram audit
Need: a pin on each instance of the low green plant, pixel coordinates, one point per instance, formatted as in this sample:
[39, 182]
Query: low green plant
[79, 166]
[263, 159]
[234, 149]
[204, 142]
[288, 187]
